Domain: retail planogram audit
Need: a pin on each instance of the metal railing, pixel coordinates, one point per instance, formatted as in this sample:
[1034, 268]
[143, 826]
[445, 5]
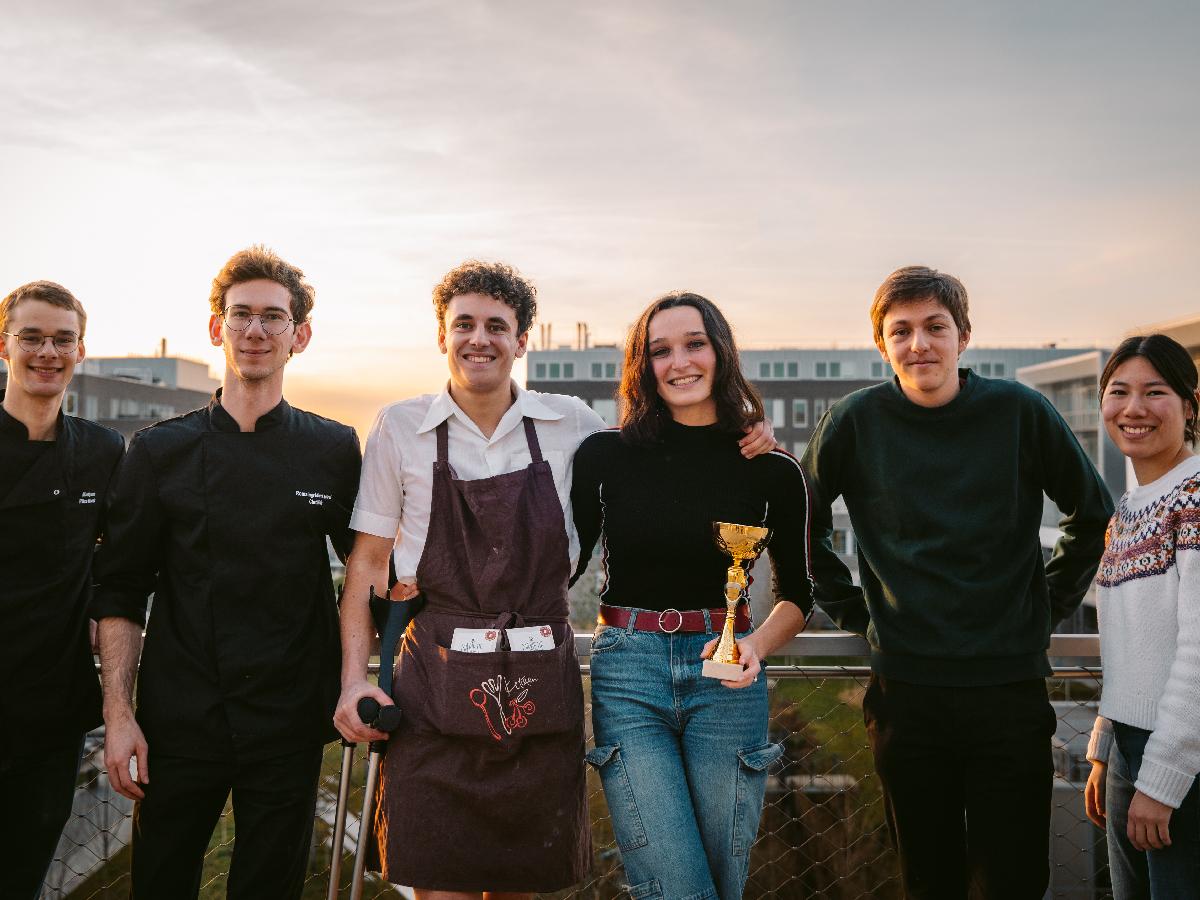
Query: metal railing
[822, 833]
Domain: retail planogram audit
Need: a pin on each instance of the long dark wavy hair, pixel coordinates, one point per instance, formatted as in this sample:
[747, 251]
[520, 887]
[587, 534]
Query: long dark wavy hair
[1172, 361]
[643, 413]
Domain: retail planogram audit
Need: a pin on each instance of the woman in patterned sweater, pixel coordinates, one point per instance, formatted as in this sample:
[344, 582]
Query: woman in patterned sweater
[1145, 747]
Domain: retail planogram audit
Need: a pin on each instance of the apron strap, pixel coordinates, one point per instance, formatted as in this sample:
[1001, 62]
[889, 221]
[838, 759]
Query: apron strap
[535, 448]
[443, 442]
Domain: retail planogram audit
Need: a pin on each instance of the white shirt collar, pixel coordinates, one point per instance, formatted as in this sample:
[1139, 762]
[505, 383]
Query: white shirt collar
[525, 404]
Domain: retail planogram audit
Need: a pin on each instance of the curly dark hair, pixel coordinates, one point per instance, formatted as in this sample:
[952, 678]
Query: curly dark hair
[643, 412]
[497, 280]
[258, 262]
[1171, 360]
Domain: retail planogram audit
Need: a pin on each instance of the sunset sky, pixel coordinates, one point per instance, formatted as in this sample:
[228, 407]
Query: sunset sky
[780, 158]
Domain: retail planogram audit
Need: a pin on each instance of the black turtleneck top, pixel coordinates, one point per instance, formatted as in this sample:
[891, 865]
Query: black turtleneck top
[653, 509]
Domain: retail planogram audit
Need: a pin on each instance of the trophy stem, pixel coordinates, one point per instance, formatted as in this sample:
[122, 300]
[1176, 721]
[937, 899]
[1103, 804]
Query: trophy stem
[726, 660]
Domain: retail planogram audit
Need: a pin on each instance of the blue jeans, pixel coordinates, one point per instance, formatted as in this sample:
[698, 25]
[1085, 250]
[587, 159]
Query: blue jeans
[683, 761]
[1172, 873]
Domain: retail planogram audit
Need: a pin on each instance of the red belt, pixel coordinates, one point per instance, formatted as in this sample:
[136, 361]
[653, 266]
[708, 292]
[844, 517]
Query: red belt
[672, 620]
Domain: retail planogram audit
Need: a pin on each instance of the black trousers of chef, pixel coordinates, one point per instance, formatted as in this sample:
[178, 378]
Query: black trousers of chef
[274, 801]
[38, 790]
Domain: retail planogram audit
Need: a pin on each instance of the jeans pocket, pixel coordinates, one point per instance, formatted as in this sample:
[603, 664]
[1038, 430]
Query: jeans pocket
[607, 638]
[647, 890]
[751, 785]
[618, 793]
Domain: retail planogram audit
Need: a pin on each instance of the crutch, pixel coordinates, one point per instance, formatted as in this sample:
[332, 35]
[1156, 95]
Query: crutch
[382, 718]
[339, 819]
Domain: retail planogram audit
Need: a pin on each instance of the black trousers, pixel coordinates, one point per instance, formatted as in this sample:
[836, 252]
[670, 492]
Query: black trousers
[967, 779]
[38, 792]
[274, 801]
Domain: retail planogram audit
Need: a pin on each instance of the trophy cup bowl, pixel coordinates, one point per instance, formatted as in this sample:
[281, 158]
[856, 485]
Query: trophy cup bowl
[741, 543]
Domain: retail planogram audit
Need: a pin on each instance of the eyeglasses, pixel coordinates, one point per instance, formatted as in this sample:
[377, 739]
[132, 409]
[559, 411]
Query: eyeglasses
[31, 342]
[241, 319]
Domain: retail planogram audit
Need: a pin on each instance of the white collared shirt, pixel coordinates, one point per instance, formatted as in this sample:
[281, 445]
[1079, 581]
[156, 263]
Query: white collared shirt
[396, 489]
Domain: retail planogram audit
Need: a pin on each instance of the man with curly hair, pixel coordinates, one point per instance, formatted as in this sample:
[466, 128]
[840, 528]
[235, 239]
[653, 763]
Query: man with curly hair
[468, 492]
[223, 514]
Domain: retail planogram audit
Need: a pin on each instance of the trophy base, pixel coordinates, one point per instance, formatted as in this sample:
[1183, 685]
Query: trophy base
[723, 671]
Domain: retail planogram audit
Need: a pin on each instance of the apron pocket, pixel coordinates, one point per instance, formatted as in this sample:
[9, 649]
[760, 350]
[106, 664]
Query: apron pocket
[506, 695]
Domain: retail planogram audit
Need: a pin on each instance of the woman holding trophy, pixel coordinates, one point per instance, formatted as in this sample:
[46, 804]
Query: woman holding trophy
[681, 740]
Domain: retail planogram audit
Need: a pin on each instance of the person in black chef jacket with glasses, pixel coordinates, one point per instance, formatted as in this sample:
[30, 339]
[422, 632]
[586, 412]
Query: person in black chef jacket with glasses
[54, 474]
[222, 514]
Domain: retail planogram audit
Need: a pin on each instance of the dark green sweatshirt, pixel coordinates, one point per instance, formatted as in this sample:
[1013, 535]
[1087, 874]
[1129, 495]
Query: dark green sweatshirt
[946, 505]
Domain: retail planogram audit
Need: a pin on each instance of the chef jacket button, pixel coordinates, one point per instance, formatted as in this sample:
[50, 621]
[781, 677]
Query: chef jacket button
[57, 492]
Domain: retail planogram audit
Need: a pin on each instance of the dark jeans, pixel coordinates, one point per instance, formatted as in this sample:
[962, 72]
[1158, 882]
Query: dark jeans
[38, 792]
[1172, 873]
[966, 775]
[274, 801]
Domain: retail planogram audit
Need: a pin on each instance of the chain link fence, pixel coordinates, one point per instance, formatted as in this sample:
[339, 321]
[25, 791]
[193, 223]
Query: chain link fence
[822, 833]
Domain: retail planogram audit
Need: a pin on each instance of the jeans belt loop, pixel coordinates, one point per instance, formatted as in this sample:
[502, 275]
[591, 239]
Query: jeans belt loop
[662, 620]
[708, 628]
[632, 623]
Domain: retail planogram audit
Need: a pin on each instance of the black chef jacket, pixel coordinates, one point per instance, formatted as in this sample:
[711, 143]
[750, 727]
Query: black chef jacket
[227, 529]
[51, 499]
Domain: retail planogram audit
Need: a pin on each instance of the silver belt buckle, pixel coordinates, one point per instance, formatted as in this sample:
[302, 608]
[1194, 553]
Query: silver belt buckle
[663, 628]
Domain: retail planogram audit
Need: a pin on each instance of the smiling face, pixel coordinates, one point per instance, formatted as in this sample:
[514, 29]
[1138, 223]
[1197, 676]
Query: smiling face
[44, 373]
[685, 364]
[253, 355]
[479, 337]
[1145, 418]
[922, 344]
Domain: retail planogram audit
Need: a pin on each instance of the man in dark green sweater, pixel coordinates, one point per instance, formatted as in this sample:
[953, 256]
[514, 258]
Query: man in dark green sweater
[943, 474]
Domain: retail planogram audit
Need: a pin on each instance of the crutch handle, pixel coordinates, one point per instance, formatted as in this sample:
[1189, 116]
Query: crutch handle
[381, 718]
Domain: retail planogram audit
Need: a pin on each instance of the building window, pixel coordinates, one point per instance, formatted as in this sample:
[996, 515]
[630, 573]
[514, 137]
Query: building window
[818, 408]
[793, 370]
[832, 401]
[610, 370]
[985, 369]
[774, 410]
[555, 370]
[764, 370]
[568, 370]
[822, 370]
[877, 369]
[777, 370]
[597, 370]
[835, 370]
[838, 540]
[539, 370]
[998, 370]
[69, 403]
[798, 448]
[800, 413]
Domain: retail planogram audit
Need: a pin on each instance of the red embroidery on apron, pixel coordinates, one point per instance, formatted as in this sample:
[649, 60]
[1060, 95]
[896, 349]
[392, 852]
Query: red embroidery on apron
[500, 691]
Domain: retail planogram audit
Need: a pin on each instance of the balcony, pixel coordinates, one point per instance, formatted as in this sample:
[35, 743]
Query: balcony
[822, 833]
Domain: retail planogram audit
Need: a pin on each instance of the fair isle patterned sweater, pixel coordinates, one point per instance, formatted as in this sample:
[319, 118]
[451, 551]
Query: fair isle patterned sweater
[1149, 603]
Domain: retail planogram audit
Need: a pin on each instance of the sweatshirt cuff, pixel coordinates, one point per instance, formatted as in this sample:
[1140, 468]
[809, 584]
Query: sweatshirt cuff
[1162, 783]
[1100, 742]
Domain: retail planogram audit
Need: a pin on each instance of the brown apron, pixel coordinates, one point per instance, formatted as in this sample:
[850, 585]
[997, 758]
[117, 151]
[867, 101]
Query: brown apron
[482, 787]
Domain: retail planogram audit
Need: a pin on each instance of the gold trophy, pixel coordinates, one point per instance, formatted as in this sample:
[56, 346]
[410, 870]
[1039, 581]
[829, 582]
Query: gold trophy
[742, 542]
